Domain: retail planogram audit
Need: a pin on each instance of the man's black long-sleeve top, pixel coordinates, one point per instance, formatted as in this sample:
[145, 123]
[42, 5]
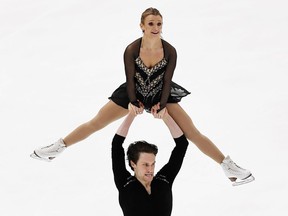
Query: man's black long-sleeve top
[133, 197]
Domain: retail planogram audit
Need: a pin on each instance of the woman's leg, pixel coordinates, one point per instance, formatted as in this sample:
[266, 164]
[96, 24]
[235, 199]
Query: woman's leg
[191, 132]
[107, 114]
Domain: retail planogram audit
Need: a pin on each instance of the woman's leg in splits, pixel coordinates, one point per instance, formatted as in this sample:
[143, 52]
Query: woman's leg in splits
[234, 172]
[109, 113]
[191, 132]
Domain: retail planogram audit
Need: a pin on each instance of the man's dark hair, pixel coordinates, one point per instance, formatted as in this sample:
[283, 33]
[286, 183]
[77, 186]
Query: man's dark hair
[134, 150]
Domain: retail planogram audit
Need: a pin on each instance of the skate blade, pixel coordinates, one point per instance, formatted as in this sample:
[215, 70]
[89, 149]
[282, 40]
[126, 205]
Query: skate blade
[244, 181]
[35, 156]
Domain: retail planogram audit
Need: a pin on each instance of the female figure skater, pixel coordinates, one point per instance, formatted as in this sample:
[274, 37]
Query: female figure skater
[149, 66]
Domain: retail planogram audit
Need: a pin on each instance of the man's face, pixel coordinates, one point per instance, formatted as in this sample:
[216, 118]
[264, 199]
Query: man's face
[144, 168]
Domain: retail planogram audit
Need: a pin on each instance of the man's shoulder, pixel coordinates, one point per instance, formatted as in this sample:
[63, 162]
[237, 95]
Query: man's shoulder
[162, 178]
[130, 180]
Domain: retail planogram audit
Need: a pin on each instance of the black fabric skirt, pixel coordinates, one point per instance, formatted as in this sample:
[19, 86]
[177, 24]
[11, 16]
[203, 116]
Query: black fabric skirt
[120, 96]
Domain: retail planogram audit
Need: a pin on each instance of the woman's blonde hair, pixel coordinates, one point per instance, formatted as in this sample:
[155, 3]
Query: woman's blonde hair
[150, 11]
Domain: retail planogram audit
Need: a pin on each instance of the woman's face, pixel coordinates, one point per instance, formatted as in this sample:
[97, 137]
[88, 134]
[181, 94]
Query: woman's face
[152, 25]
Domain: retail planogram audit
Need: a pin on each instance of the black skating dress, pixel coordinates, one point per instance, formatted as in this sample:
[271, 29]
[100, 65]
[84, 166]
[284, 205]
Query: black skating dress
[148, 85]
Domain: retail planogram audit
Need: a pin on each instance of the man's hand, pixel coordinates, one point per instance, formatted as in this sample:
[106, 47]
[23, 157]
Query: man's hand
[155, 113]
[136, 110]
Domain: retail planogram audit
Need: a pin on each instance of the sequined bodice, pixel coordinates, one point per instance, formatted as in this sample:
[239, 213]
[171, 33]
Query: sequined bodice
[149, 81]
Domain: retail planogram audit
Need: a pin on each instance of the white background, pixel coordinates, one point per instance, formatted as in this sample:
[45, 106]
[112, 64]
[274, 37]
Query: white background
[61, 59]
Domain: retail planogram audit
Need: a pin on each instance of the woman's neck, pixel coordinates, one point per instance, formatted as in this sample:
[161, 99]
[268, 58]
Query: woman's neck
[151, 43]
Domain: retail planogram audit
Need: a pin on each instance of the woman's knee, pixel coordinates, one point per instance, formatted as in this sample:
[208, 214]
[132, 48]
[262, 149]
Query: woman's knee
[95, 124]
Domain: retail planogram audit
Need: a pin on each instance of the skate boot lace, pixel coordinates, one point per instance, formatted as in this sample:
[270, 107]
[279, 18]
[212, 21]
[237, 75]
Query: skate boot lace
[234, 164]
[48, 146]
[53, 148]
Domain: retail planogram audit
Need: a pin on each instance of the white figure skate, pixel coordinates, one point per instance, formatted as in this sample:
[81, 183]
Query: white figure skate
[48, 153]
[235, 173]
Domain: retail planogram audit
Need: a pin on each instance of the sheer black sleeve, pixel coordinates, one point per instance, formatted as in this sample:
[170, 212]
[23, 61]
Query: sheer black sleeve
[130, 55]
[171, 56]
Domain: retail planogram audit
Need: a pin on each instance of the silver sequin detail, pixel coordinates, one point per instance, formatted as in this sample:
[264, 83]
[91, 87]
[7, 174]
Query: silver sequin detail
[148, 87]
